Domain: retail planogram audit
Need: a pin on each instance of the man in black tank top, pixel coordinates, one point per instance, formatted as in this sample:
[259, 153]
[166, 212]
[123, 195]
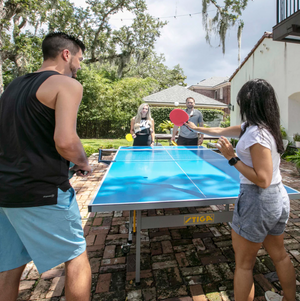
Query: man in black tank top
[38, 209]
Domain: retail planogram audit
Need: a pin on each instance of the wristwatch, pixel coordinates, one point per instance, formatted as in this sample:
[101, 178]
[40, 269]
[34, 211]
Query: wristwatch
[233, 161]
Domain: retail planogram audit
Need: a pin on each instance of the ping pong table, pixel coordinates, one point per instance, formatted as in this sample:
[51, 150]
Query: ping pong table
[141, 178]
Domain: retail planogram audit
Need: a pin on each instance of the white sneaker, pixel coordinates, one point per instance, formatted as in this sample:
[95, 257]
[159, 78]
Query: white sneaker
[271, 296]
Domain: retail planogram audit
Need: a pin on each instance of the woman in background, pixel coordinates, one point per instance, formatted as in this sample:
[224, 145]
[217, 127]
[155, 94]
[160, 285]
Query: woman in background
[262, 208]
[142, 127]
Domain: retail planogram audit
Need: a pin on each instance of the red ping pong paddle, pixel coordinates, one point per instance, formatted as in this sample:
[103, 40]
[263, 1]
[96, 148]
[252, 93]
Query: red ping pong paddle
[179, 117]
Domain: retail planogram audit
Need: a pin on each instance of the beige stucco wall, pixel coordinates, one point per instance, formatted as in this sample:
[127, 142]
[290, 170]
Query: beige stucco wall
[279, 64]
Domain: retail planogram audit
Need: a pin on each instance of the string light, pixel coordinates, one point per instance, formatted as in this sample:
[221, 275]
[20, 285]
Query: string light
[168, 17]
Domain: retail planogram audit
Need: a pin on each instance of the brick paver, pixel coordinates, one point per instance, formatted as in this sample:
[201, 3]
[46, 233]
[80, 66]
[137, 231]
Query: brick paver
[183, 263]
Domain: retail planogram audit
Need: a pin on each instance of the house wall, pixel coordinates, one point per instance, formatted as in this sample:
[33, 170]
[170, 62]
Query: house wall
[208, 93]
[279, 64]
[212, 94]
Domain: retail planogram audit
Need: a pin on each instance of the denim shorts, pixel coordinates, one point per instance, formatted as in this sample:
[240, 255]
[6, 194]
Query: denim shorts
[48, 235]
[260, 212]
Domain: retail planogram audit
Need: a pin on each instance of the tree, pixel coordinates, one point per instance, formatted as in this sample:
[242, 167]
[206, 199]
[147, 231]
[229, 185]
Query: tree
[119, 46]
[91, 25]
[20, 48]
[153, 66]
[226, 16]
[109, 101]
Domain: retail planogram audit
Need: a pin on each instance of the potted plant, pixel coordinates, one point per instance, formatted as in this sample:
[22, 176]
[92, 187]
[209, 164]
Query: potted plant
[167, 126]
[284, 137]
[295, 158]
[297, 139]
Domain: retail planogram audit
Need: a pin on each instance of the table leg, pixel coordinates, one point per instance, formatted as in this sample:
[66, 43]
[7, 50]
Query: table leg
[138, 247]
[130, 226]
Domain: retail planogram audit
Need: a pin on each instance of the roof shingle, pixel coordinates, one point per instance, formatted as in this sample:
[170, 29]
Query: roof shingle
[180, 94]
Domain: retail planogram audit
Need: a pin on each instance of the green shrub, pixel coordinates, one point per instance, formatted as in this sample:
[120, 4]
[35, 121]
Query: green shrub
[89, 150]
[226, 122]
[294, 158]
[296, 137]
[289, 151]
[283, 132]
[166, 126]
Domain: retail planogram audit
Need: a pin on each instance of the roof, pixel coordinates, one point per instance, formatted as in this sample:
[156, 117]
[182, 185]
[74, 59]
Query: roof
[267, 35]
[170, 96]
[213, 81]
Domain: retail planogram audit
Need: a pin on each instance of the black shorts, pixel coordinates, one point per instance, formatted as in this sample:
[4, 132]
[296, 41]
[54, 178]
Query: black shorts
[187, 141]
[142, 140]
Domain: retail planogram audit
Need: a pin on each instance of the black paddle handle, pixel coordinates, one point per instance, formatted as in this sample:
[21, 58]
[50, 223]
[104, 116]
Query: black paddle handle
[188, 127]
[72, 172]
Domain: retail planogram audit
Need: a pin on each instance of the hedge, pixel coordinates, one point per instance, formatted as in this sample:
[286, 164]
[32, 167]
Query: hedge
[104, 129]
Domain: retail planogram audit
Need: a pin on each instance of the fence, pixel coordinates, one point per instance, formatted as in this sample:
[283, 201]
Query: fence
[286, 8]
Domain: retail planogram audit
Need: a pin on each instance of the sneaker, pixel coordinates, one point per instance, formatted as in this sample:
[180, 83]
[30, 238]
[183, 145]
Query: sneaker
[271, 296]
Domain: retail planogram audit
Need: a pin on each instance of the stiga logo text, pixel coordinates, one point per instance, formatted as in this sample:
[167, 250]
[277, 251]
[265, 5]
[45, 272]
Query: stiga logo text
[199, 219]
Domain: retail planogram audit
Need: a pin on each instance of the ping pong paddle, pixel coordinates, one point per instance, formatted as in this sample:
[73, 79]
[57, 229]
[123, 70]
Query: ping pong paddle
[129, 137]
[174, 143]
[179, 117]
[216, 144]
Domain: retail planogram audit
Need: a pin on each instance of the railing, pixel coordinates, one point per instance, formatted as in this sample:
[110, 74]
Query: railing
[286, 8]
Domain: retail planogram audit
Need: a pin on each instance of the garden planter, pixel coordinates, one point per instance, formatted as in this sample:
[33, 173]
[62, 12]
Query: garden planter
[297, 143]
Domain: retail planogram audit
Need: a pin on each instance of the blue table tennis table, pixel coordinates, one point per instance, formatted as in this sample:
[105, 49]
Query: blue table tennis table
[141, 178]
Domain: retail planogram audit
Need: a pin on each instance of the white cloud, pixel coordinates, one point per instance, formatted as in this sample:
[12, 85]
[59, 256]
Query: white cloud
[182, 40]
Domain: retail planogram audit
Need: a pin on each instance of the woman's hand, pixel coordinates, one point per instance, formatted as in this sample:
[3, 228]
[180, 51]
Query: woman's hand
[225, 148]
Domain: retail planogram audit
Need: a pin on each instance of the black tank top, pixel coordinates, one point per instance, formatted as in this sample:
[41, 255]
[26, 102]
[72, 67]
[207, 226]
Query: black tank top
[31, 169]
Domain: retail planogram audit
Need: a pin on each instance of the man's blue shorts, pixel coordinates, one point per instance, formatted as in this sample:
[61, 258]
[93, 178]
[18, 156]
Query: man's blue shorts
[48, 235]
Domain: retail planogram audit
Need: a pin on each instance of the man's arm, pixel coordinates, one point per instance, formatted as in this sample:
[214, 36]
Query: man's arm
[66, 139]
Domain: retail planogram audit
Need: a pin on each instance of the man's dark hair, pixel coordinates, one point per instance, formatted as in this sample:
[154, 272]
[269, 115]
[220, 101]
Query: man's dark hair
[190, 98]
[258, 106]
[56, 42]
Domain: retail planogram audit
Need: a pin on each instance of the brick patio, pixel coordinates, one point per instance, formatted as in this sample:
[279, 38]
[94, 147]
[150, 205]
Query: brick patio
[193, 263]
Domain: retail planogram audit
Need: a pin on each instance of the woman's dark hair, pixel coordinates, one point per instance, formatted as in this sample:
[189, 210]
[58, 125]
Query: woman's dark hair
[258, 106]
[56, 42]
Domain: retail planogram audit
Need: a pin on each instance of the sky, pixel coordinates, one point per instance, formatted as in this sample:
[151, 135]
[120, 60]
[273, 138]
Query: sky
[182, 40]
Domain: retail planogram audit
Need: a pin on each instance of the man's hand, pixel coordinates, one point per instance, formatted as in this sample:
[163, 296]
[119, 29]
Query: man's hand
[82, 171]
